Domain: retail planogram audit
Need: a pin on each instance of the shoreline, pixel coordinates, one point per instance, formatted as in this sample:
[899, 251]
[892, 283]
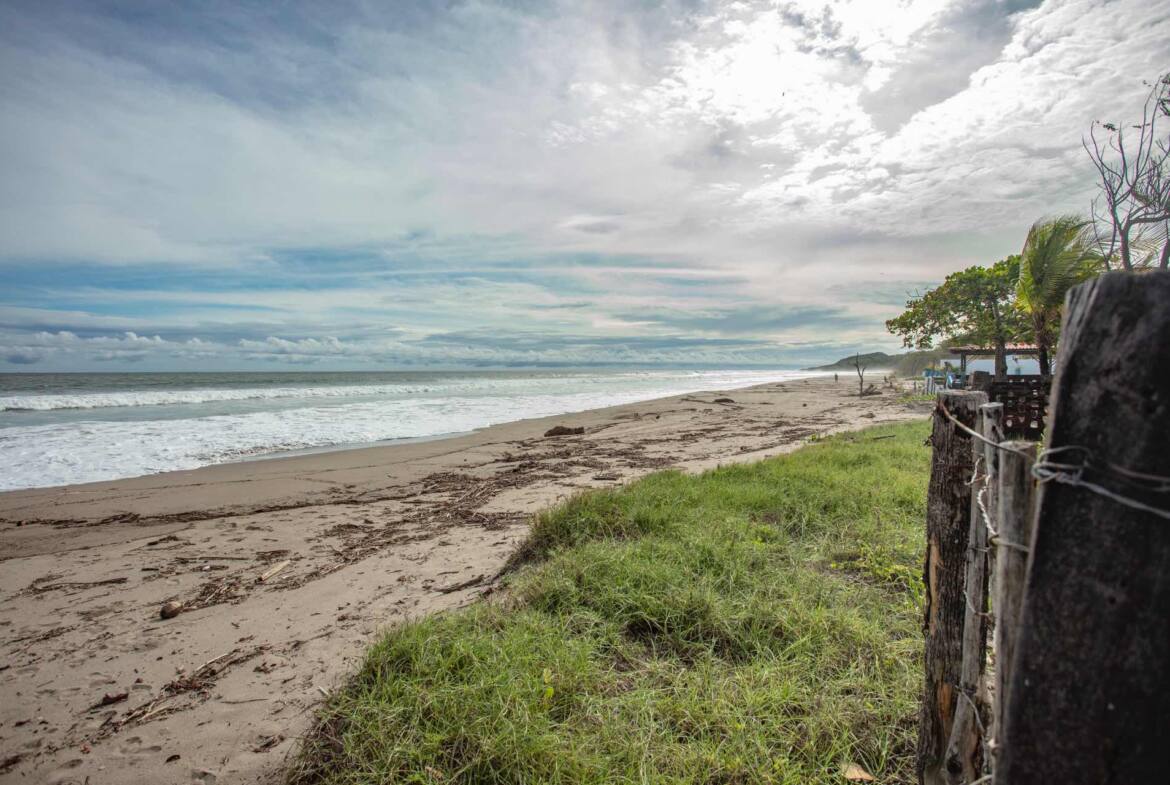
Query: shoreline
[74, 455]
[363, 538]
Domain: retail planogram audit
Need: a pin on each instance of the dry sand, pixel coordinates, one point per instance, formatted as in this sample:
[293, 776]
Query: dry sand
[96, 688]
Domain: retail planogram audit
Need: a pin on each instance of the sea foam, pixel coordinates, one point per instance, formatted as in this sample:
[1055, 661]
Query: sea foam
[90, 445]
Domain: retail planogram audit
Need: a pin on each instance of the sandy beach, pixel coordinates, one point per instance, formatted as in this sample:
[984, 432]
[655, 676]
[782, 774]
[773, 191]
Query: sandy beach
[286, 568]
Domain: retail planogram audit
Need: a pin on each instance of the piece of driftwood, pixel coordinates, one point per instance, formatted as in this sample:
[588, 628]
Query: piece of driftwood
[467, 584]
[44, 587]
[1089, 694]
[564, 430]
[948, 523]
[273, 570]
[110, 698]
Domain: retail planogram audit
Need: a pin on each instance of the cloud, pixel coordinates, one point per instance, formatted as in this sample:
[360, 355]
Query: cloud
[480, 348]
[939, 61]
[777, 173]
[22, 358]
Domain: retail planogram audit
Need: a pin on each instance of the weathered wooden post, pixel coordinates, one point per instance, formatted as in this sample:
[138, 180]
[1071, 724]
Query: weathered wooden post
[1013, 526]
[994, 434]
[964, 760]
[993, 416]
[948, 522]
[1089, 692]
[994, 430]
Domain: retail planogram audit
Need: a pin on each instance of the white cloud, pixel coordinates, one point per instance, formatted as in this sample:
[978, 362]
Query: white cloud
[785, 145]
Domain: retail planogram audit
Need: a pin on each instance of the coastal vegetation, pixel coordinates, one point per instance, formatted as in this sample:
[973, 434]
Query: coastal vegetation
[1057, 256]
[1017, 299]
[1020, 298]
[874, 359]
[755, 623]
[976, 305]
[906, 364]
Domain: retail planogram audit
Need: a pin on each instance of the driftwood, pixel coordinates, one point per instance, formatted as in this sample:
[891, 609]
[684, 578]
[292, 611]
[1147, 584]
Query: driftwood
[273, 570]
[564, 430]
[948, 523]
[38, 588]
[467, 584]
[1089, 693]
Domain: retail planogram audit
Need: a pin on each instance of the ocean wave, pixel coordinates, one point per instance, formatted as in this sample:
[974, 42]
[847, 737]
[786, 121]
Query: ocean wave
[92, 450]
[553, 383]
[133, 398]
[106, 400]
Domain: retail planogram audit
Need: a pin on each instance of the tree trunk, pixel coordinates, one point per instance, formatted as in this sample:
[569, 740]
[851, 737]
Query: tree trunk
[948, 522]
[1040, 330]
[1042, 358]
[1000, 341]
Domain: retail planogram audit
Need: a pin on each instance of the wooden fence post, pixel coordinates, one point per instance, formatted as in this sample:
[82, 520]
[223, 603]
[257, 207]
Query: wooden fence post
[1013, 516]
[993, 432]
[948, 522]
[1089, 693]
[964, 759]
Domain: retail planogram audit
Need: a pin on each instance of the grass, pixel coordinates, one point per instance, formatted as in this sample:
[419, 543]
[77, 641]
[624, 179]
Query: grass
[756, 623]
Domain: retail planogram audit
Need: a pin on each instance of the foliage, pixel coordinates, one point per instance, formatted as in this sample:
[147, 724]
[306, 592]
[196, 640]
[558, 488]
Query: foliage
[914, 363]
[869, 359]
[903, 365]
[1058, 254]
[975, 305]
[917, 397]
[756, 623]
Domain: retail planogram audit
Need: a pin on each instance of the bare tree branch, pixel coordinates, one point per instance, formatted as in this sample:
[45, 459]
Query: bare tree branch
[1132, 208]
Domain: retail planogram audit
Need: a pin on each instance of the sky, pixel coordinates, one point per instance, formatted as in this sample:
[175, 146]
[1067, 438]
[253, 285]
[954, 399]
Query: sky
[232, 186]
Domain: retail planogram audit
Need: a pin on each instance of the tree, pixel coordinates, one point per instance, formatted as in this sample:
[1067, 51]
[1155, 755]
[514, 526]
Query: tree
[1058, 254]
[976, 305]
[860, 374]
[1131, 212]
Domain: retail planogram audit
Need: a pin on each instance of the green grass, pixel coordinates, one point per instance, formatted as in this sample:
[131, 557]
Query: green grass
[757, 623]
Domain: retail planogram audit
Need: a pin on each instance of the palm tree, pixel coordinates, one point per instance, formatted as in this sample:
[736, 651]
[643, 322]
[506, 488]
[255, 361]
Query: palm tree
[1057, 256]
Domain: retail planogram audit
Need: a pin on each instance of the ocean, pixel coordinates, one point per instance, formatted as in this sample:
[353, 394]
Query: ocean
[58, 429]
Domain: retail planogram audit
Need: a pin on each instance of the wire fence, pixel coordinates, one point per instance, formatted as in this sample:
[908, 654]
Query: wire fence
[986, 595]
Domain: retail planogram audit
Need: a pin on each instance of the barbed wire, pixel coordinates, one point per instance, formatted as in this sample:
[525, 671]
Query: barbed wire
[1073, 474]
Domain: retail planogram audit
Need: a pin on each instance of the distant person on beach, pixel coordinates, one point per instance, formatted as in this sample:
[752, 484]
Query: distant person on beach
[835, 378]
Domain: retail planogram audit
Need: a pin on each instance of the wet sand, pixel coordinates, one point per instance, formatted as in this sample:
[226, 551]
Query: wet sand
[95, 687]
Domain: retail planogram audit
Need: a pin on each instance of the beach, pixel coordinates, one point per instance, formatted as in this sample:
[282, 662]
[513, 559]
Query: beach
[283, 570]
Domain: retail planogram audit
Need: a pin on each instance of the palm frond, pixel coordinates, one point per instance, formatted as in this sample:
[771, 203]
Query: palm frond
[1058, 254]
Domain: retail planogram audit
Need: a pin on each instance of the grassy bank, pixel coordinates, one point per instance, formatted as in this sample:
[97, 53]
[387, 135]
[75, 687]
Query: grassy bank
[756, 623]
